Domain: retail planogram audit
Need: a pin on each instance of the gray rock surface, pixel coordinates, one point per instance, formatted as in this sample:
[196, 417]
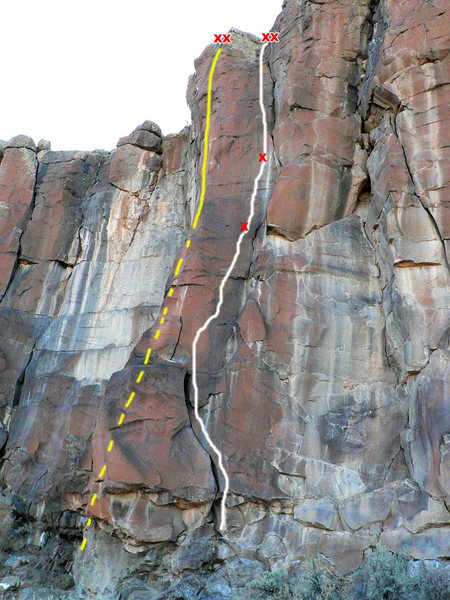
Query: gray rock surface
[44, 146]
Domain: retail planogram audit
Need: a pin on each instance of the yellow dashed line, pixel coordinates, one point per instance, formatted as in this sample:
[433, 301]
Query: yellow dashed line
[177, 270]
[130, 399]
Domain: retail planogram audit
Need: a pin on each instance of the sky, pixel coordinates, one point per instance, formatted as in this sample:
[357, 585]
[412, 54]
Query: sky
[83, 73]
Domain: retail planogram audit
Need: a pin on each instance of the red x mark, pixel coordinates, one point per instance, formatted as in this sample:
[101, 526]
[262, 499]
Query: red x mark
[262, 157]
[244, 227]
[270, 37]
[226, 38]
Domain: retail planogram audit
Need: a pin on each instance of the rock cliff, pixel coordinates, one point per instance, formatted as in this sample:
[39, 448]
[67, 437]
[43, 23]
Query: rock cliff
[323, 380]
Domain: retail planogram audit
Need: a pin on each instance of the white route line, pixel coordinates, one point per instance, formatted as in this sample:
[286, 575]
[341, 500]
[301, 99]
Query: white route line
[217, 452]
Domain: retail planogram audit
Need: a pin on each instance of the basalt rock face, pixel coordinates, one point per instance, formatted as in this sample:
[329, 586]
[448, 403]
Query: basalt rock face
[323, 379]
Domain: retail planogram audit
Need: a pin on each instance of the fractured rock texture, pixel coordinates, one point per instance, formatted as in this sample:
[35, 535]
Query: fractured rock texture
[322, 381]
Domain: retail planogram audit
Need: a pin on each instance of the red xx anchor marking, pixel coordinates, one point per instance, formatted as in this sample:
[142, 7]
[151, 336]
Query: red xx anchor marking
[226, 38]
[270, 37]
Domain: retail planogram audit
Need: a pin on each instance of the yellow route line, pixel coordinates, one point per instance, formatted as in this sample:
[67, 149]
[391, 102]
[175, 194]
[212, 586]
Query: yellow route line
[130, 399]
[205, 150]
[177, 270]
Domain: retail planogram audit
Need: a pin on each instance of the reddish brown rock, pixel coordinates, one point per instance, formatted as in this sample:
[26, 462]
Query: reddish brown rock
[157, 442]
[60, 322]
[316, 134]
[17, 178]
[63, 180]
